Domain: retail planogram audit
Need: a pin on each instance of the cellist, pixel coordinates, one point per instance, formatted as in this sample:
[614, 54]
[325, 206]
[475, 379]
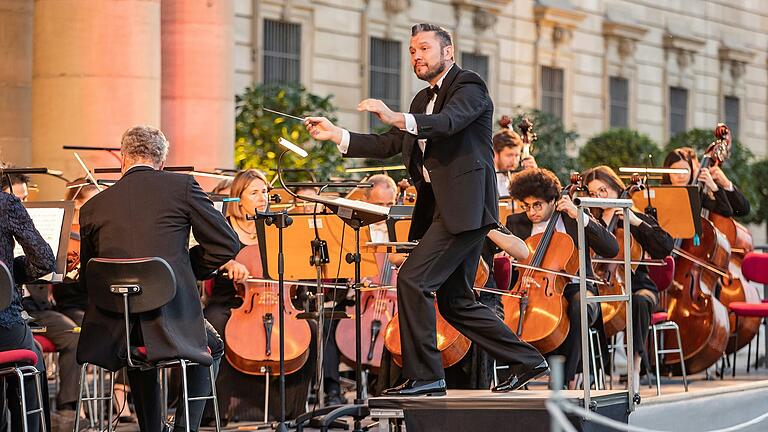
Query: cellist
[251, 187]
[538, 191]
[603, 182]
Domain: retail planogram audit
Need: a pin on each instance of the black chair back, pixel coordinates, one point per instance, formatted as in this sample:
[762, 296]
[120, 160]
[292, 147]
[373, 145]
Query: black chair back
[150, 283]
[6, 286]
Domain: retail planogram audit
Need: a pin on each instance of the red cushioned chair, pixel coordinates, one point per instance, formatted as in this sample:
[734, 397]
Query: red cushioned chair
[133, 286]
[663, 276]
[502, 273]
[19, 363]
[754, 268]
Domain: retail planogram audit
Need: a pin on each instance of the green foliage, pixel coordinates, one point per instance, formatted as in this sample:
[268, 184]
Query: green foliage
[617, 148]
[257, 131]
[758, 192]
[551, 148]
[737, 168]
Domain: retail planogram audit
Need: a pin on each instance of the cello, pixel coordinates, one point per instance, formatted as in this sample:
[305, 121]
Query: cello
[614, 316]
[453, 345]
[252, 336]
[691, 303]
[537, 311]
[379, 307]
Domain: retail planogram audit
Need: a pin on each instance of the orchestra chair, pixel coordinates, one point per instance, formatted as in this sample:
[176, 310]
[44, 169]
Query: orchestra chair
[133, 286]
[755, 269]
[19, 363]
[52, 361]
[663, 276]
[502, 273]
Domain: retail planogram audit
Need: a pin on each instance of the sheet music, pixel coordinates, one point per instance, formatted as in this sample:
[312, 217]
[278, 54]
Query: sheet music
[48, 221]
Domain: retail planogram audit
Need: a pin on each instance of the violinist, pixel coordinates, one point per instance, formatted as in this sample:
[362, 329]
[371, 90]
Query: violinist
[538, 191]
[38, 260]
[507, 153]
[59, 330]
[603, 182]
[237, 392]
[721, 196]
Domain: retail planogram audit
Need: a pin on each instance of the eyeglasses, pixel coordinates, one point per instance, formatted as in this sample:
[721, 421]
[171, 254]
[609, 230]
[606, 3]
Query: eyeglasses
[538, 205]
[601, 193]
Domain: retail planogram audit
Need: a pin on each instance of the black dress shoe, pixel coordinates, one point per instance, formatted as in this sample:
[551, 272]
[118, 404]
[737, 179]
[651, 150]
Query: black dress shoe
[515, 381]
[412, 387]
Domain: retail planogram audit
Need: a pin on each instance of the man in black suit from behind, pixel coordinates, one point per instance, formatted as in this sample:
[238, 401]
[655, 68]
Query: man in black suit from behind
[445, 140]
[149, 213]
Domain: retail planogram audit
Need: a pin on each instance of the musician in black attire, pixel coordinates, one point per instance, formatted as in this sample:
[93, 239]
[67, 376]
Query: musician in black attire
[149, 213]
[538, 190]
[722, 195]
[37, 261]
[603, 182]
[445, 140]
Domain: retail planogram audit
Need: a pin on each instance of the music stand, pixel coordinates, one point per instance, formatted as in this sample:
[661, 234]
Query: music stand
[673, 215]
[356, 214]
[53, 219]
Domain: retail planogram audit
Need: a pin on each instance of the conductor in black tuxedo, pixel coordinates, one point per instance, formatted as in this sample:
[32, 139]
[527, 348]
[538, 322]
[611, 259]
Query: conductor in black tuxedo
[149, 213]
[445, 140]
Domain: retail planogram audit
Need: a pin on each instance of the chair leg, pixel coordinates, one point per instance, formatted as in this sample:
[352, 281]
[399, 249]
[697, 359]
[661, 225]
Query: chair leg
[735, 344]
[83, 383]
[22, 393]
[682, 357]
[41, 411]
[183, 364]
[215, 399]
[593, 361]
[658, 360]
[602, 363]
[110, 425]
[749, 351]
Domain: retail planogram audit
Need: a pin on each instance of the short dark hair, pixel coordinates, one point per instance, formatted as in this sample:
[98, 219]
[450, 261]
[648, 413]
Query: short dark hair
[15, 178]
[506, 138]
[442, 34]
[534, 182]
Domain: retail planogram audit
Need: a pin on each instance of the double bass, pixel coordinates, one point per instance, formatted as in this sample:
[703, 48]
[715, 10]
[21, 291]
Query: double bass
[734, 287]
[614, 313]
[252, 333]
[537, 310]
[691, 303]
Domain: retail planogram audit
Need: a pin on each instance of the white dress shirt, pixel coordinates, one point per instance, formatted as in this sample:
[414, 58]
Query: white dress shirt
[410, 126]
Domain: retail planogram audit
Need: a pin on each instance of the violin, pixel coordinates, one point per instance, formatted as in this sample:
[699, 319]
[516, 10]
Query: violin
[537, 311]
[702, 319]
[252, 333]
[614, 313]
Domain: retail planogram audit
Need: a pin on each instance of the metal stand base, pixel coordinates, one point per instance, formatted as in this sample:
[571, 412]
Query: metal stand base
[328, 417]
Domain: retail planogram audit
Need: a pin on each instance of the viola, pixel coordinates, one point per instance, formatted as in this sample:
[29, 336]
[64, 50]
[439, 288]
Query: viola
[537, 311]
[252, 333]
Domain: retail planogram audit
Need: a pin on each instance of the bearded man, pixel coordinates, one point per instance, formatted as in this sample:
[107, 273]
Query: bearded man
[445, 140]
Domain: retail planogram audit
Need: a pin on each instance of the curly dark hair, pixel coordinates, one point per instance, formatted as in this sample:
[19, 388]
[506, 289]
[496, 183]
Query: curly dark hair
[539, 182]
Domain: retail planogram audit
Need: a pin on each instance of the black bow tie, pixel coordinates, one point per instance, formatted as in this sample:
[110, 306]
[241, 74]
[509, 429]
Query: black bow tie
[432, 91]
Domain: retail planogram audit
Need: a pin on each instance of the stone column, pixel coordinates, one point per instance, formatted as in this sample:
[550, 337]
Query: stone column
[16, 18]
[96, 73]
[198, 82]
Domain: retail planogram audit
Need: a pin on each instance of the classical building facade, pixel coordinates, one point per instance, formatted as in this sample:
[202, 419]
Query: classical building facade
[658, 66]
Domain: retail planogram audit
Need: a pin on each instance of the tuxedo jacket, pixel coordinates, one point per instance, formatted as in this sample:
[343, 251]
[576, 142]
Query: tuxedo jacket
[149, 213]
[597, 237]
[458, 155]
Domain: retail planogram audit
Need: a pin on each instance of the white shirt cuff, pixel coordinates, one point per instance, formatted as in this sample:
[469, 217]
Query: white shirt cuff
[343, 146]
[410, 124]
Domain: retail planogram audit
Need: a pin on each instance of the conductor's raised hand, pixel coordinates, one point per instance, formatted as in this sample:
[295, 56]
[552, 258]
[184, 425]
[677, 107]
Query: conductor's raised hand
[382, 111]
[322, 129]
